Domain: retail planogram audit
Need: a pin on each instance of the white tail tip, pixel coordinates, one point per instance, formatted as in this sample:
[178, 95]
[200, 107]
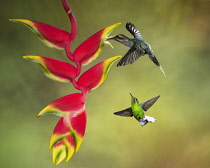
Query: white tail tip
[150, 119]
[161, 68]
[143, 121]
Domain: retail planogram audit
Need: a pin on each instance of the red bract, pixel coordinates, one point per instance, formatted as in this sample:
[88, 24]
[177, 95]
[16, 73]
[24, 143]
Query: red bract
[67, 136]
[92, 47]
[50, 35]
[70, 129]
[62, 142]
[95, 76]
[68, 104]
[54, 69]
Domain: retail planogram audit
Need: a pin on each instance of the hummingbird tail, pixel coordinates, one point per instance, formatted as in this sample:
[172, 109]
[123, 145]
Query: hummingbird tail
[150, 119]
[155, 61]
[161, 68]
[143, 121]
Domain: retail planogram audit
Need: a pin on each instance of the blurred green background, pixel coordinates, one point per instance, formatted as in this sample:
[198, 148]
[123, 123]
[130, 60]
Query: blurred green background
[179, 33]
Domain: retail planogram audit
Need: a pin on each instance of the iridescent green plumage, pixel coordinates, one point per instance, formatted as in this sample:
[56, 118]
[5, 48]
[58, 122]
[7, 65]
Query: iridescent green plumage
[138, 110]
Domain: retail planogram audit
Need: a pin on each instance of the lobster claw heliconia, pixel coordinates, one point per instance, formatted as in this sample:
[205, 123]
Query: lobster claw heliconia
[70, 129]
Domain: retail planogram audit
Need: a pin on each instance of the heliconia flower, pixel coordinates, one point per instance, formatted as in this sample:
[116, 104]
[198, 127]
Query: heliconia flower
[95, 76]
[50, 35]
[69, 131]
[61, 142]
[91, 48]
[72, 103]
[54, 69]
[67, 136]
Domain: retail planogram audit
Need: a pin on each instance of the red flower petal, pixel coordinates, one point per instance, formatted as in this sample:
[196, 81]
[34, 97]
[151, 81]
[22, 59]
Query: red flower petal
[62, 142]
[95, 76]
[67, 136]
[50, 35]
[54, 69]
[78, 125]
[72, 103]
[91, 48]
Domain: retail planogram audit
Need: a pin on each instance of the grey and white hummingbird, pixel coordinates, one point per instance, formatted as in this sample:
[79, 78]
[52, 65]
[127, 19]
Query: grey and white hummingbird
[137, 110]
[138, 47]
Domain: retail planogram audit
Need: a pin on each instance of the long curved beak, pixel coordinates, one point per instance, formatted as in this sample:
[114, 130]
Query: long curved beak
[111, 38]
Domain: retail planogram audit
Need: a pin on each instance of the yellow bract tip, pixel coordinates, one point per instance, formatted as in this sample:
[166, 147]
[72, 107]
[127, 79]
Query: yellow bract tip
[108, 43]
[27, 22]
[33, 58]
[28, 57]
[15, 20]
[59, 154]
[109, 29]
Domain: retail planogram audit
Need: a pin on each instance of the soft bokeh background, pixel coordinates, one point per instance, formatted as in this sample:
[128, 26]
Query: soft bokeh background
[178, 31]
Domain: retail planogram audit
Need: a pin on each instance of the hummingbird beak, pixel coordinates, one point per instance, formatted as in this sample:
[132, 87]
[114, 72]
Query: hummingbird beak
[111, 38]
[131, 95]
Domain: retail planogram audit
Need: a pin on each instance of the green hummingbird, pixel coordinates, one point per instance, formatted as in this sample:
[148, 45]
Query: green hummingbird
[137, 110]
[138, 47]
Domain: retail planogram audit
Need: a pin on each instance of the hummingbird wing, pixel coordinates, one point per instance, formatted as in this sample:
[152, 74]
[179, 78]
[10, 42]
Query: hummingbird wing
[147, 104]
[134, 31]
[125, 113]
[131, 56]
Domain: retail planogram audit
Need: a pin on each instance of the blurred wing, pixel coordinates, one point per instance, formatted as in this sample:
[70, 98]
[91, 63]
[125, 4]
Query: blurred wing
[131, 56]
[125, 113]
[134, 31]
[146, 105]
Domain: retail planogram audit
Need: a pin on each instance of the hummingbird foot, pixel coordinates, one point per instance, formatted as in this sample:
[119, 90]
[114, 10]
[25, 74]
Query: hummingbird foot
[143, 121]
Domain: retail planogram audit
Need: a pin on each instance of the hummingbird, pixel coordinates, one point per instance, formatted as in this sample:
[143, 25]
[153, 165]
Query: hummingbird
[138, 109]
[138, 47]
